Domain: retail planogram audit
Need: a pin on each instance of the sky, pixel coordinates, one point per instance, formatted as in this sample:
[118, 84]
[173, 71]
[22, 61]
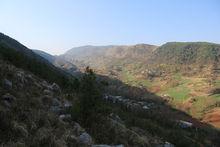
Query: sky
[56, 26]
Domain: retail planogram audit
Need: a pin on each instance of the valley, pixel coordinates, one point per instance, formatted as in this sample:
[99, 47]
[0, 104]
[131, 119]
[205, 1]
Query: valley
[126, 97]
[183, 74]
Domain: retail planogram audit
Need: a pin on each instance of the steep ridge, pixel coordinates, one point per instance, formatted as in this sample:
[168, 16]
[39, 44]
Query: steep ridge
[19, 55]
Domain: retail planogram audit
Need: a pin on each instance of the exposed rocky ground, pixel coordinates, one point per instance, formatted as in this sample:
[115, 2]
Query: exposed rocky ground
[34, 113]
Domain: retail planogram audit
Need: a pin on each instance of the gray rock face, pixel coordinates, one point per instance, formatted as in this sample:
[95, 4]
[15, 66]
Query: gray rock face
[85, 138]
[7, 84]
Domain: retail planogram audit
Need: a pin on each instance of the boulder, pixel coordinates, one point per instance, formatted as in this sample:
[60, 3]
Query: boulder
[56, 102]
[7, 84]
[47, 92]
[56, 109]
[104, 145]
[55, 88]
[167, 144]
[20, 77]
[9, 98]
[65, 117]
[85, 138]
[78, 129]
[67, 104]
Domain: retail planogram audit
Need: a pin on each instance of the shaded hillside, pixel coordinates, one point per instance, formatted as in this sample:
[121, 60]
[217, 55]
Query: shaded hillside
[19, 55]
[59, 62]
[45, 55]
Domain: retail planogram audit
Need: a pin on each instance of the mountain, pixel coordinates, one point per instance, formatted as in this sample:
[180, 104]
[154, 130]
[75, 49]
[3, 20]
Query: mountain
[191, 57]
[106, 58]
[183, 73]
[187, 53]
[59, 62]
[42, 105]
[135, 51]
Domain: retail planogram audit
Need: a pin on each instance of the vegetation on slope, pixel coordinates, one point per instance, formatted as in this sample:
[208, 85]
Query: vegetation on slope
[187, 53]
[20, 56]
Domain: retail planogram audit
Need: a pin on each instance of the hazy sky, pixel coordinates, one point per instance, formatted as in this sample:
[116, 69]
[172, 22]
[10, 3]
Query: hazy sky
[58, 25]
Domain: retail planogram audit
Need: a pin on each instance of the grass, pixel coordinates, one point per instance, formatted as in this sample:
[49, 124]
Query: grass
[130, 78]
[216, 97]
[179, 93]
[217, 83]
[199, 106]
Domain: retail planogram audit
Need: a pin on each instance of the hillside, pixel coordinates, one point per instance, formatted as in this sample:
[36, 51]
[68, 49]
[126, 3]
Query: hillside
[59, 62]
[182, 73]
[187, 53]
[106, 58]
[19, 55]
[35, 112]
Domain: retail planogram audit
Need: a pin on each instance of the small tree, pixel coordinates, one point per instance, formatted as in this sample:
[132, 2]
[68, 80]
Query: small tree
[87, 108]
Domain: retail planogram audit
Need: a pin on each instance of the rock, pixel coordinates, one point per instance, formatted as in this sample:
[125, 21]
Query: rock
[7, 84]
[47, 92]
[45, 84]
[85, 138]
[56, 102]
[185, 124]
[55, 88]
[104, 145]
[65, 117]
[56, 109]
[20, 77]
[145, 107]
[115, 117]
[167, 144]
[9, 98]
[78, 129]
[67, 104]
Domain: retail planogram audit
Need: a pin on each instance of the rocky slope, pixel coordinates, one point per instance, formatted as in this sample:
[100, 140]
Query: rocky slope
[32, 112]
